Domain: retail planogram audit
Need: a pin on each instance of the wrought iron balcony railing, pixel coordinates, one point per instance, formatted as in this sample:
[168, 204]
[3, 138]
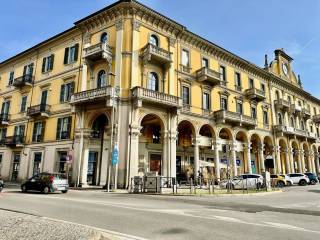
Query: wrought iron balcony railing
[39, 110]
[14, 140]
[25, 80]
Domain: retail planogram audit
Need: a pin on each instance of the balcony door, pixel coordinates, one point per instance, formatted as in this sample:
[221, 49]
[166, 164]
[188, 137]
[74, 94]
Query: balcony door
[43, 102]
[92, 168]
[36, 163]
[15, 167]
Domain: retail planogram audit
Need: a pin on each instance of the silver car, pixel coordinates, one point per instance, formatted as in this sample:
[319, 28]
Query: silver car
[244, 181]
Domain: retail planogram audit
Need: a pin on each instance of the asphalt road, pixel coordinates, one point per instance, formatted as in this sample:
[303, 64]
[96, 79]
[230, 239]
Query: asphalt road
[292, 214]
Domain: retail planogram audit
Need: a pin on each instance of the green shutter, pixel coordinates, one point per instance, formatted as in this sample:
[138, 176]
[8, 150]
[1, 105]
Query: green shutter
[58, 135]
[76, 50]
[43, 127]
[71, 90]
[31, 68]
[52, 61]
[69, 126]
[43, 64]
[34, 132]
[24, 70]
[66, 53]
[62, 90]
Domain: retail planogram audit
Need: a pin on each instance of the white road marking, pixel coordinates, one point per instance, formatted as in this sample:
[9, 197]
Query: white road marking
[285, 226]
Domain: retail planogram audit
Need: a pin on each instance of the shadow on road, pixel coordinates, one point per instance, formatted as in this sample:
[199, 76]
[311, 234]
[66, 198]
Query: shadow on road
[314, 191]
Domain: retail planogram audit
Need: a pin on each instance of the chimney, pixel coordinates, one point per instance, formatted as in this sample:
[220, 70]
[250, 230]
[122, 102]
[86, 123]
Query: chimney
[266, 64]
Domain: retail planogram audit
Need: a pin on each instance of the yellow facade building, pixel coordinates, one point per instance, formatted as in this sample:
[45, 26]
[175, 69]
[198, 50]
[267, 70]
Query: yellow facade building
[131, 79]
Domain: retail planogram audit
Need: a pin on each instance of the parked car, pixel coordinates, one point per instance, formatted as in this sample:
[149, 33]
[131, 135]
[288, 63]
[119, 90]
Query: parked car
[287, 179]
[1, 184]
[312, 177]
[277, 180]
[46, 183]
[299, 178]
[243, 181]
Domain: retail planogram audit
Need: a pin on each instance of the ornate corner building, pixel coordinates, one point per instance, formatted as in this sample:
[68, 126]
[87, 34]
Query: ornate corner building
[129, 78]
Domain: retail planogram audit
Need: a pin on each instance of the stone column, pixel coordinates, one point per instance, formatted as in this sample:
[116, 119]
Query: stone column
[135, 53]
[310, 168]
[134, 149]
[165, 154]
[118, 55]
[278, 162]
[173, 146]
[302, 161]
[196, 156]
[84, 168]
[287, 161]
[261, 158]
[172, 43]
[233, 160]
[248, 150]
[299, 155]
[217, 161]
[274, 157]
[316, 159]
[291, 159]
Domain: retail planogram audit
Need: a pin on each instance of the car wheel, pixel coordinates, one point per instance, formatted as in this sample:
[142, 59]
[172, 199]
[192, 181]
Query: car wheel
[280, 184]
[259, 185]
[24, 188]
[313, 182]
[303, 182]
[46, 190]
[64, 191]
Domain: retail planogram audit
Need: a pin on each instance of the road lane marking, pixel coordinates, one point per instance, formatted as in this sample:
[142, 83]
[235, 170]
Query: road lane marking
[285, 226]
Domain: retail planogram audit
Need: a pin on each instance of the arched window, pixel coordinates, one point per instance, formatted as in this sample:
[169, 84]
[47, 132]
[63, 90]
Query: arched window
[292, 122]
[104, 37]
[153, 82]
[154, 40]
[302, 125]
[101, 79]
[277, 95]
[280, 119]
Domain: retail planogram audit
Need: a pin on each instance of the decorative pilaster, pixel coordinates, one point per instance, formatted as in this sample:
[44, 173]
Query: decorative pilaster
[248, 153]
[135, 53]
[196, 142]
[287, 161]
[217, 161]
[234, 160]
[172, 43]
[291, 159]
[134, 161]
[261, 158]
[165, 154]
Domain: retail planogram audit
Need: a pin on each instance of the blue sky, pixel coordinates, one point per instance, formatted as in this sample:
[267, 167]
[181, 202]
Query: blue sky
[248, 28]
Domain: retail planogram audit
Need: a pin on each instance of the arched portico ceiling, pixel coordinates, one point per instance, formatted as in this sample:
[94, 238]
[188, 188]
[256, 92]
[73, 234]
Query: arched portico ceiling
[186, 125]
[305, 146]
[207, 131]
[255, 138]
[242, 136]
[295, 144]
[225, 133]
[283, 143]
[152, 118]
[267, 140]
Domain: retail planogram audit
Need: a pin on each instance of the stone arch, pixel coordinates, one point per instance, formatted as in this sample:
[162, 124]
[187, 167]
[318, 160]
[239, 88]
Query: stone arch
[225, 133]
[156, 114]
[92, 117]
[186, 133]
[257, 159]
[207, 130]
[283, 163]
[242, 153]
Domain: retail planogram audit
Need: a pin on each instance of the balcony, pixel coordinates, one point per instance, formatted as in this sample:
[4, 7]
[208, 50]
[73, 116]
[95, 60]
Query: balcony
[316, 119]
[208, 76]
[25, 80]
[282, 104]
[154, 97]
[283, 130]
[97, 52]
[306, 113]
[14, 141]
[106, 93]
[4, 119]
[155, 54]
[224, 116]
[301, 133]
[42, 110]
[255, 94]
[295, 108]
[312, 135]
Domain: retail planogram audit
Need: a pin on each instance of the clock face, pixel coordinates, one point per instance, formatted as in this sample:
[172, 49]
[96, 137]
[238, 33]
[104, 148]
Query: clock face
[285, 68]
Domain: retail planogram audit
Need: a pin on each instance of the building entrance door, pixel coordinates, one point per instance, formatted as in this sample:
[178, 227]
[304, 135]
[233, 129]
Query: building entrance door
[15, 167]
[37, 163]
[92, 168]
[155, 163]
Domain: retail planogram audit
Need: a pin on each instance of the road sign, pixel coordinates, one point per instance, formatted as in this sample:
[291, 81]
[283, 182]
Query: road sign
[115, 156]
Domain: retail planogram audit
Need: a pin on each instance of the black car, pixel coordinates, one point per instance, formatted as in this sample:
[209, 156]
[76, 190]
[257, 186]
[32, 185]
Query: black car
[313, 178]
[46, 183]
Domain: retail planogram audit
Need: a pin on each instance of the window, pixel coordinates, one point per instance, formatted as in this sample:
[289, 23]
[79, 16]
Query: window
[104, 37]
[289, 99]
[185, 95]
[277, 95]
[153, 82]
[47, 63]
[263, 87]
[37, 163]
[315, 110]
[154, 40]
[5, 109]
[254, 112]
[239, 107]
[23, 103]
[222, 73]
[265, 117]
[311, 128]
[38, 131]
[101, 79]
[44, 97]
[206, 101]
[28, 70]
[62, 162]
[185, 58]
[302, 125]
[66, 91]
[19, 133]
[11, 78]
[280, 119]
[205, 63]
[1, 157]
[238, 81]
[251, 83]
[224, 103]
[71, 54]
[292, 122]
[317, 132]
[299, 103]
[63, 128]
[3, 135]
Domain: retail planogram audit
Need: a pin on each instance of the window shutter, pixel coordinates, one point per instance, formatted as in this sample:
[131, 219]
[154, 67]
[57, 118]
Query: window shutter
[31, 68]
[58, 135]
[4, 133]
[44, 65]
[52, 61]
[22, 128]
[43, 127]
[69, 126]
[15, 132]
[34, 132]
[2, 108]
[71, 89]
[24, 70]
[76, 50]
[66, 53]
[8, 107]
[62, 92]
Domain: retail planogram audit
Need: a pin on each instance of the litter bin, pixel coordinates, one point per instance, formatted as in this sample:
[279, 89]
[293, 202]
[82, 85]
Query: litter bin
[137, 184]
